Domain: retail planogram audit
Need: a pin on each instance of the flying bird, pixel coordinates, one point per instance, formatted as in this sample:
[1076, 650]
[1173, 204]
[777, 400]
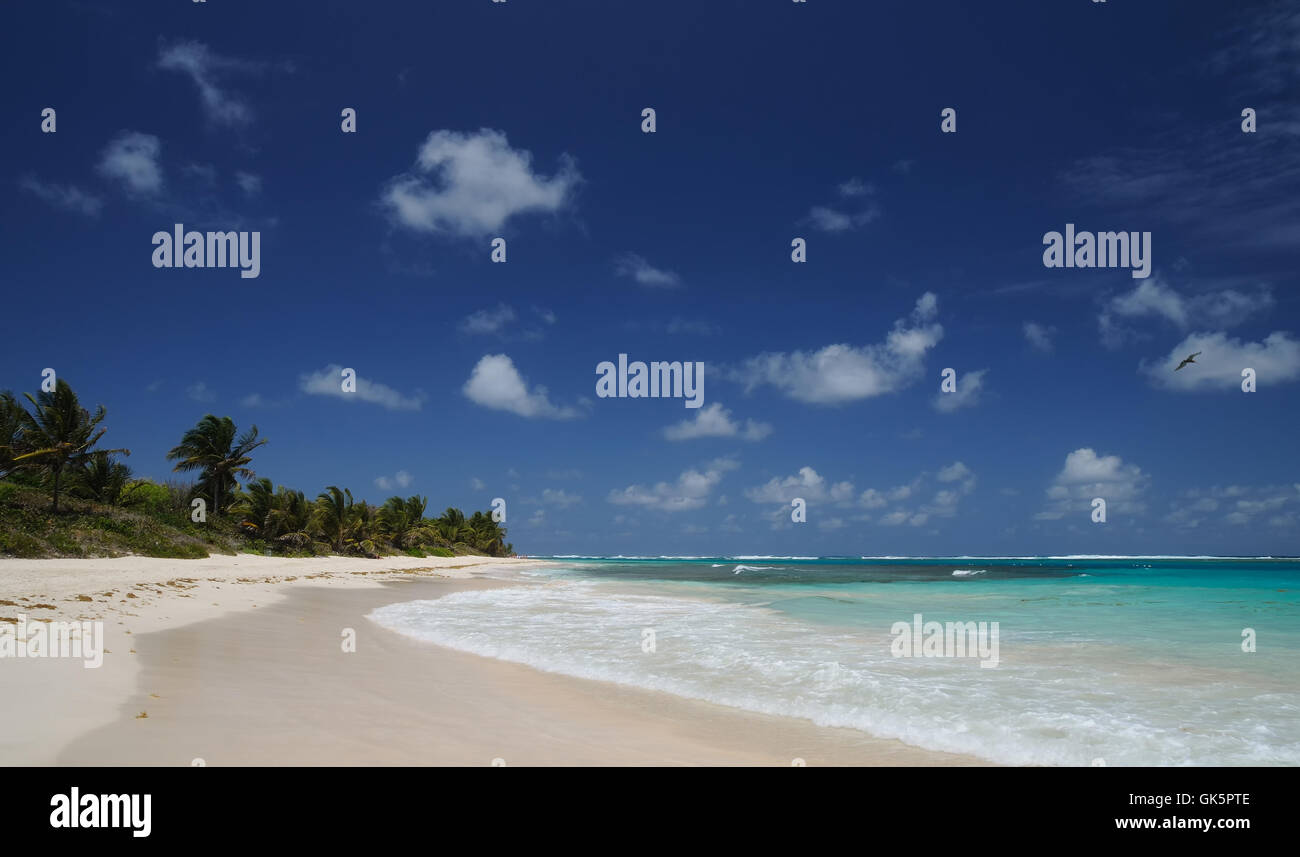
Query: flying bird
[1191, 358]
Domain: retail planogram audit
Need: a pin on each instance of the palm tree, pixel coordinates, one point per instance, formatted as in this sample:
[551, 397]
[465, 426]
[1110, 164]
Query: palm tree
[101, 478]
[451, 525]
[212, 447]
[253, 505]
[58, 433]
[333, 516]
[290, 517]
[11, 426]
[402, 521]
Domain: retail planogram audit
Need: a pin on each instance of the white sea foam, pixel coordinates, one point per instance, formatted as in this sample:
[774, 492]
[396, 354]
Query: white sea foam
[1047, 703]
[968, 572]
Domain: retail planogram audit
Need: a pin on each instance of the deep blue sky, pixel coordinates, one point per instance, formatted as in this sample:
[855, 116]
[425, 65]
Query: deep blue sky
[775, 120]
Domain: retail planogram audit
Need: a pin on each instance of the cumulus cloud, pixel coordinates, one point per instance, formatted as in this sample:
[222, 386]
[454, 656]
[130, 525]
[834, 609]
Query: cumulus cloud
[1087, 475]
[955, 481]
[495, 383]
[713, 420]
[967, 394]
[329, 382]
[807, 484]
[1154, 299]
[689, 491]
[132, 159]
[1275, 360]
[636, 267]
[207, 70]
[1039, 336]
[471, 184]
[844, 373]
[66, 197]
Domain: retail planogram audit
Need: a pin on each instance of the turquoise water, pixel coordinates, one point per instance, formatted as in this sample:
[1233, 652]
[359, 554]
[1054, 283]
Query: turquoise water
[1116, 661]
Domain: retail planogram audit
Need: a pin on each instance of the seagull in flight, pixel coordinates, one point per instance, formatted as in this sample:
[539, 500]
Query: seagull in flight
[1191, 358]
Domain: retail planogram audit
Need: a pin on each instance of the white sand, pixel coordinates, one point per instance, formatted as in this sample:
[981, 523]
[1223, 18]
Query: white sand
[237, 661]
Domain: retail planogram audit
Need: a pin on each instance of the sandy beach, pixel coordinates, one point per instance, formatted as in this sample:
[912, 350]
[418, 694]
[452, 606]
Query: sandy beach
[239, 661]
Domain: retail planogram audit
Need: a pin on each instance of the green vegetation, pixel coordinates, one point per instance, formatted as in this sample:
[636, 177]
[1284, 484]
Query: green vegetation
[59, 496]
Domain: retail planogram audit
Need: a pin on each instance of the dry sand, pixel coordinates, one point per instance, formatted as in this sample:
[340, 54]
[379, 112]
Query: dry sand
[238, 661]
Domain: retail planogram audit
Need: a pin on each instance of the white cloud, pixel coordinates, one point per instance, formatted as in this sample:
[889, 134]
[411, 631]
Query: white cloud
[967, 394]
[1275, 360]
[477, 484]
[206, 68]
[66, 197]
[957, 480]
[249, 183]
[495, 383]
[690, 490]
[713, 420]
[132, 159]
[958, 472]
[1087, 475]
[807, 484]
[855, 187]
[845, 373]
[636, 267]
[698, 327]
[488, 320]
[329, 382]
[831, 220]
[471, 184]
[1154, 299]
[200, 392]
[1237, 505]
[1039, 336]
[401, 479]
[559, 498]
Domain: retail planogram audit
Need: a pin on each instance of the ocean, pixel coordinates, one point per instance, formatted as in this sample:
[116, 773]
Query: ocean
[1100, 660]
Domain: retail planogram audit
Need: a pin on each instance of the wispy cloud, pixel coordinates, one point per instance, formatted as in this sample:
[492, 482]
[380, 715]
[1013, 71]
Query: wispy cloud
[970, 385]
[1039, 336]
[636, 267]
[1155, 299]
[208, 71]
[399, 480]
[66, 197]
[329, 382]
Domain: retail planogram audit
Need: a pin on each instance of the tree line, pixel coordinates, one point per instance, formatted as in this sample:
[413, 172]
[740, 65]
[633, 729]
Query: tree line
[52, 442]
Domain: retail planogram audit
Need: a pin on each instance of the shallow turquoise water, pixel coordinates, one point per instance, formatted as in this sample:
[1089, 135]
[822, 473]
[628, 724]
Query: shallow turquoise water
[1117, 660]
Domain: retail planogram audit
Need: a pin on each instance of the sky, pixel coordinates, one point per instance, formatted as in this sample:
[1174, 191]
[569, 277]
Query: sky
[773, 121]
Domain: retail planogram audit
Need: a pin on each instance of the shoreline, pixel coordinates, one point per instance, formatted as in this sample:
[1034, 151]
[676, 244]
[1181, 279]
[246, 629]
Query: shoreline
[240, 662]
